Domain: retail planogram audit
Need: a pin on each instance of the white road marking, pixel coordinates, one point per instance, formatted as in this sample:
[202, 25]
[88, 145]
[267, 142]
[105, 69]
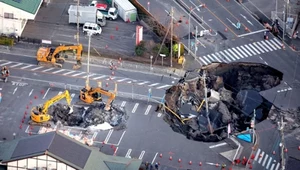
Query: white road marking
[272, 167]
[271, 45]
[154, 158]
[224, 55]
[277, 41]
[30, 92]
[69, 73]
[58, 71]
[96, 78]
[257, 154]
[229, 55]
[159, 115]
[16, 65]
[121, 138]
[211, 59]
[154, 84]
[48, 69]
[128, 153]
[265, 160]
[27, 131]
[258, 47]
[148, 109]
[262, 155]
[207, 59]
[216, 57]
[26, 66]
[115, 153]
[237, 52]
[218, 145]
[274, 43]
[15, 90]
[123, 103]
[244, 48]
[78, 74]
[277, 167]
[163, 86]
[143, 82]
[5, 63]
[264, 43]
[257, 51]
[202, 60]
[233, 53]
[108, 135]
[269, 162]
[141, 155]
[122, 80]
[135, 107]
[94, 135]
[241, 51]
[111, 78]
[36, 68]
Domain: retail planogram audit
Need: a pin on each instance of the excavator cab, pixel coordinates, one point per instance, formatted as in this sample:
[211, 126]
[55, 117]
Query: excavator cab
[39, 114]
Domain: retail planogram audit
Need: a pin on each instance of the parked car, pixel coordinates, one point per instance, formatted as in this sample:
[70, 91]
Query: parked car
[93, 28]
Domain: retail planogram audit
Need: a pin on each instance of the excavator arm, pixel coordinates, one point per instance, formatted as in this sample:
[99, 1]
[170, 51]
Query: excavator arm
[78, 49]
[111, 96]
[55, 99]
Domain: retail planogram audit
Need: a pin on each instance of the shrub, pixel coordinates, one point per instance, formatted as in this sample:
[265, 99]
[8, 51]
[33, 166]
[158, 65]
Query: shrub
[140, 49]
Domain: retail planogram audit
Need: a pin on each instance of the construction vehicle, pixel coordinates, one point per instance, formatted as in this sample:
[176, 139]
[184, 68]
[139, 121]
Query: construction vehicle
[51, 57]
[90, 95]
[4, 74]
[39, 114]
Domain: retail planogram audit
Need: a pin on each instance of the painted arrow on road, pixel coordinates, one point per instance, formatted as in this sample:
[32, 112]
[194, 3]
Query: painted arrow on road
[246, 19]
[231, 23]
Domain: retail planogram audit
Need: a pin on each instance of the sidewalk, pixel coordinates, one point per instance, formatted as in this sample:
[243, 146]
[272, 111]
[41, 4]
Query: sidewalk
[30, 50]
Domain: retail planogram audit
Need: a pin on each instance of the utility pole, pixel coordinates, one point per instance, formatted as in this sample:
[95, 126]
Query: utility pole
[206, 101]
[88, 61]
[252, 124]
[282, 144]
[284, 19]
[196, 34]
[172, 13]
[77, 35]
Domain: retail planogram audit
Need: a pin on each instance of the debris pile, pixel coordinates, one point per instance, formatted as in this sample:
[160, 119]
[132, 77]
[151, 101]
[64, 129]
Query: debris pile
[89, 116]
[233, 97]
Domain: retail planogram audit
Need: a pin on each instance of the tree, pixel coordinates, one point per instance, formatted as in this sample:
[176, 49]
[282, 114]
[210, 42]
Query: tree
[175, 49]
[140, 49]
[164, 49]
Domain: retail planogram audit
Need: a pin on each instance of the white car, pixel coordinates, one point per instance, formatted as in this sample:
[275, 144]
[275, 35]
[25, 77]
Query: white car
[93, 28]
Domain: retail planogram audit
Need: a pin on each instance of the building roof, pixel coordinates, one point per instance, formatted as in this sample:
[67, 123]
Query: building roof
[30, 6]
[64, 149]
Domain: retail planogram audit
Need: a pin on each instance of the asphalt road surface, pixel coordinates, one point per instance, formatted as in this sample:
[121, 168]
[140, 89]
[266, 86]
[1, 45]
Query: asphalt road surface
[146, 136]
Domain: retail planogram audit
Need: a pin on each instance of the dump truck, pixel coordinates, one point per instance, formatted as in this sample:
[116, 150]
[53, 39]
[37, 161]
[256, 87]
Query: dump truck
[86, 14]
[126, 10]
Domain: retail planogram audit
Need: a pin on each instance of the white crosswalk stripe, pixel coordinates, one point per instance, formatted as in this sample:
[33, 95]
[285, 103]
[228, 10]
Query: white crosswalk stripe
[16, 65]
[211, 59]
[262, 155]
[266, 45]
[224, 56]
[203, 61]
[271, 45]
[242, 51]
[233, 53]
[262, 46]
[247, 49]
[238, 52]
[269, 162]
[229, 55]
[277, 41]
[213, 55]
[277, 166]
[258, 47]
[274, 43]
[257, 154]
[265, 160]
[272, 167]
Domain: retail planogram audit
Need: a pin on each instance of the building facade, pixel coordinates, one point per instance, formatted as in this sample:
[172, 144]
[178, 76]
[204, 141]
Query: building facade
[14, 15]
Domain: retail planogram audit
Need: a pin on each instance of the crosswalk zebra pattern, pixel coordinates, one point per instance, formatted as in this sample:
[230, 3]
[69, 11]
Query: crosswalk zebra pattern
[81, 74]
[266, 161]
[243, 51]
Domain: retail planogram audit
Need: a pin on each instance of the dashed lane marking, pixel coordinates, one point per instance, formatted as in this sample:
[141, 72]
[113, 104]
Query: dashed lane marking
[154, 157]
[15, 90]
[217, 145]
[37, 68]
[30, 92]
[108, 135]
[48, 69]
[69, 73]
[148, 109]
[135, 107]
[58, 71]
[46, 93]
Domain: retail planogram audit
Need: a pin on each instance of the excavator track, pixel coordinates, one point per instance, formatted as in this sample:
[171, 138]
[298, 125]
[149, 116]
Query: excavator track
[48, 64]
[44, 124]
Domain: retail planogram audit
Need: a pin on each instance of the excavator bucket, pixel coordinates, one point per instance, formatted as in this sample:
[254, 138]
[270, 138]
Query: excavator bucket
[71, 109]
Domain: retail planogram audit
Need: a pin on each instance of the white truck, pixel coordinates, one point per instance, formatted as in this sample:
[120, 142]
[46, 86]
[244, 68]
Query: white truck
[126, 10]
[109, 13]
[86, 14]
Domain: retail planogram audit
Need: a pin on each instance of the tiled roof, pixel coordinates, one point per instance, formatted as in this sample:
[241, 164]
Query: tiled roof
[30, 6]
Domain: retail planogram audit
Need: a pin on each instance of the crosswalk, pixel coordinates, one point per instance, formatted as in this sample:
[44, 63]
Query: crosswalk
[243, 51]
[81, 74]
[267, 161]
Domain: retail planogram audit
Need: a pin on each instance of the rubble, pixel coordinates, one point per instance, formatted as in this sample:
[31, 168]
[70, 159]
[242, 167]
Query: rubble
[89, 117]
[233, 96]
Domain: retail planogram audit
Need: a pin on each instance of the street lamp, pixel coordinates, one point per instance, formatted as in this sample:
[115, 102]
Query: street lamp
[151, 57]
[198, 9]
[162, 58]
[88, 60]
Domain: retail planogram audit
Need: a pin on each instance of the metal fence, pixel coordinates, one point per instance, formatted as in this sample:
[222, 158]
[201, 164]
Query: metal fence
[291, 22]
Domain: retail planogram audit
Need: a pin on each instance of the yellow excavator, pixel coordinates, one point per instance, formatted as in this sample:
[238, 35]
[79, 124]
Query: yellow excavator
[51, 57]
[89, 95]
[39, 114]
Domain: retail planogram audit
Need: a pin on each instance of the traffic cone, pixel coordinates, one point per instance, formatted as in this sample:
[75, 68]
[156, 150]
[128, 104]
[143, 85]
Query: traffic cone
[190, 163]
[252, 156]
[22, 120]
[217, 165]
[200, 163]
[117, 28]
[204, 6]
[30, 102]
[299, 148]
[246, 29]
[25, 113]
[273, 152]
[186, 22]
[244, 158]
[160, 155]
[209, 30]
[106, 46]
[267, 37]
[226, 29]
[20, 126]
[179, 160]
[27, 107]
[249, 162]
[250, 166]
[113, 73]
[170, 158]
[30, 133]
[35, 97]
[285, 150]
[42, 91]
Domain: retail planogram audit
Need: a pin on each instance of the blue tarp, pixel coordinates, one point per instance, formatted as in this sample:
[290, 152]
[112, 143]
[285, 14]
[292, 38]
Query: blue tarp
[245, 137]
